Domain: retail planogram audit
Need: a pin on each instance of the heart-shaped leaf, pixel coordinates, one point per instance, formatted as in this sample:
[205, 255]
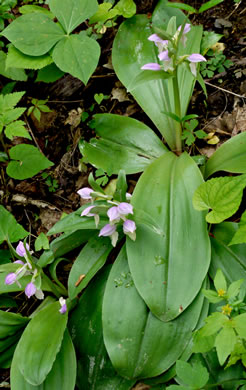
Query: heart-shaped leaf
[30, 162]
[21, 60]
[33, 34]
[161, 261]
[71, 13]
[222, 194]
[10, 230]
[77, 55]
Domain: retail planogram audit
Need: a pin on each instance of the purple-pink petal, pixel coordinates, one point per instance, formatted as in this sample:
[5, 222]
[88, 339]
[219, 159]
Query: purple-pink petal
[187, 28]
[30, 289]
[85, 193]
[63, 309]
[155, 38]
[163, 56]
[151, 66]
[125, 208]
[86, 212]
[20, 249]
[129, 226]
[107, 230]
[196, 58]
[19, 262]
[10, 278]
[113, 213]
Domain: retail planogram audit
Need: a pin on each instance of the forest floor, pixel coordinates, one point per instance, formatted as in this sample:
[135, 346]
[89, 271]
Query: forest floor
[39, 202]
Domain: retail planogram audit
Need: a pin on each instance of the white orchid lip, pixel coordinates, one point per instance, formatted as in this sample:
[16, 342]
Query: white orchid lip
[85, 193]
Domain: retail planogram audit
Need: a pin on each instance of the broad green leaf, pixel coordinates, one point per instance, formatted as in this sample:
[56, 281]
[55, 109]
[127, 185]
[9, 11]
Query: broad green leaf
[162, 15]
[21, 60]
[16, 129]
[63, 244]
[162, 270]
[10, 230]
[230, 259]
[148, 75]
[202, 344]
[132, 49]
[104, 12]
[196, 376]
[219, 281]
[224, 343]
[138, 343]
[95, 371]
[240, 235]
[213, 324]
[240, 325]
[62, 375]
[33, 34]
[71, 13]
[209, 4]
[77, 55]
[91, 258]
[234, 288]
[229, 157]
[126, 8]
[10, 323]
[41, 242]
[39, 345]
[183, 6]
[222, 194]
[13, 72]
[49, 74]
[30, 162]
[124, 143]
[28, 9]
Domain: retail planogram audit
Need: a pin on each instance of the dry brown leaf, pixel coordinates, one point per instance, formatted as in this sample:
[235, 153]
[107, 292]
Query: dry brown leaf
[119, 94]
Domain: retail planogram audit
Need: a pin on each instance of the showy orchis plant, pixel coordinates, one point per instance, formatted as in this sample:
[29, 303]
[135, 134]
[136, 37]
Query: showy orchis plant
[116, 212]
[171, 60]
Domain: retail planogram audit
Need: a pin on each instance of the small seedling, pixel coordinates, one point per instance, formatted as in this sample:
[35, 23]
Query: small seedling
[189, 135]
[217, 63]
[38, 107]
[50, 182]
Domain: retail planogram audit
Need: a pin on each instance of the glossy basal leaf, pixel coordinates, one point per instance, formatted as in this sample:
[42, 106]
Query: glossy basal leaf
[91, 258]
[222, 194]
[162, 14]
[77, 55]
[13, 72]
[131, 50]
[30, 162]
[10, 323]
[10, 230]
[229, 157]
[38, 344]
[33, 34]
[163, 265]
[21, 60]
[95, 371]
[63, 373]
[230, 259]
[125, 143]
[138, 343]
[71, 13]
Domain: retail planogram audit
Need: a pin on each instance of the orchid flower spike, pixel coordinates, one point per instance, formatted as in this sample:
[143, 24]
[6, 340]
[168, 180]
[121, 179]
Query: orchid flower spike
[109, 231]
[85, 193]
[20, 249]
[194, 59]
[63, 304]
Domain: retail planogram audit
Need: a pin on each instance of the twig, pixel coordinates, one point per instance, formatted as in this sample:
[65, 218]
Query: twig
[236, 7]
[30, 131]
[22, 199]
[225, 90]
